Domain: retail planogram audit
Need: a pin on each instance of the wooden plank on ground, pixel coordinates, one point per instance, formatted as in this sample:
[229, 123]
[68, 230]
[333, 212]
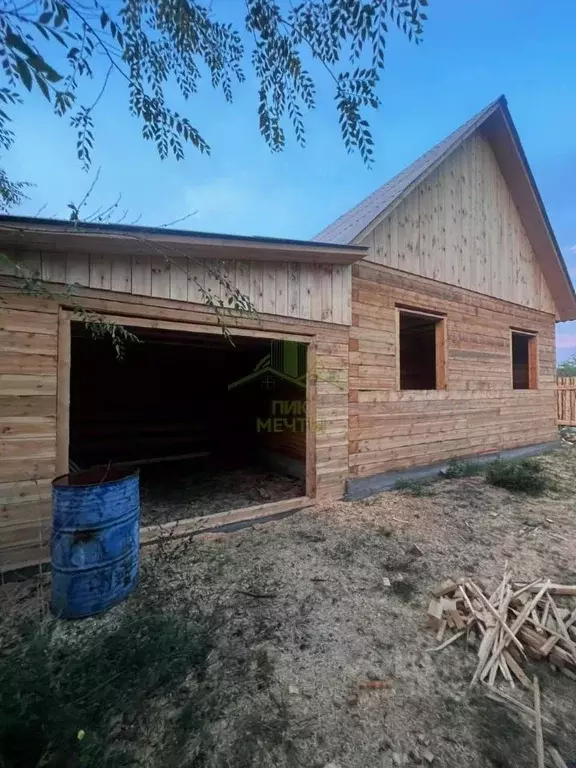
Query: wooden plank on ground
[180, 528]
[538, 724]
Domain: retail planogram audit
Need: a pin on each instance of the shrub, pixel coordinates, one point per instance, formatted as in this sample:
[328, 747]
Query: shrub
[456, 468]
[523, 476]
[415, 487]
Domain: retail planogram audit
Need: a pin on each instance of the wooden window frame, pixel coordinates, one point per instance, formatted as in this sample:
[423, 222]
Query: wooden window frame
[440, 341]
[533, 356]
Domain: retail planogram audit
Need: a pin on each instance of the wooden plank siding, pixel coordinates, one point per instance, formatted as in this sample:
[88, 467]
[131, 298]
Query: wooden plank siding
[478, 412]
[276, 288]
[566, 400]
[31, 393]
[461, 226]
[28, 381]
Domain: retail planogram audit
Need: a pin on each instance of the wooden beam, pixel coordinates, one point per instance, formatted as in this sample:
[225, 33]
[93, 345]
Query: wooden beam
[533, 362]
[180, 528]
[63, 394]
[311, 422]
[420, 312]
[538, 724]
[441, 355]
[397, 366]
[184, 327]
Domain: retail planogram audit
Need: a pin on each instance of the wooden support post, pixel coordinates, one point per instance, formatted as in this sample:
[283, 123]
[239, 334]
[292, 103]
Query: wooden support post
[63, 394]
[311, 420]
[441, 356]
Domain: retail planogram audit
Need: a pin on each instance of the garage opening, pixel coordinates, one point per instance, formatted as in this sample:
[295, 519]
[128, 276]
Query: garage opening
[212, 426]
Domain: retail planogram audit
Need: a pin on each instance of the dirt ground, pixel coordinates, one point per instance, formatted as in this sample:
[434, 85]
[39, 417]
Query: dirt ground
[182, 490]
[304, 616]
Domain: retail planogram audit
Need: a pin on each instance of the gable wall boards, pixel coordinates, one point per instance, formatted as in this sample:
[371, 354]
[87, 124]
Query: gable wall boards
[460, 226]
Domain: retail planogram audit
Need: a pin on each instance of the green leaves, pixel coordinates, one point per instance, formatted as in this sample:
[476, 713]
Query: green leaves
[29, 65]
[15, 41]
[24, 72]
[42, 85]
[336, 33]
[84, 125]
[155, 46]
[44, 69]
[12, 192]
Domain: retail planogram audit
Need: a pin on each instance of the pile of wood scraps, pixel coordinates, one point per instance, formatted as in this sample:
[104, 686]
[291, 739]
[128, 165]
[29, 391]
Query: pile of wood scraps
[508, 625]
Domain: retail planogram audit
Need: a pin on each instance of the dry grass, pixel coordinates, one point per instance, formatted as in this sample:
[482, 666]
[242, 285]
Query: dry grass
[305, 616]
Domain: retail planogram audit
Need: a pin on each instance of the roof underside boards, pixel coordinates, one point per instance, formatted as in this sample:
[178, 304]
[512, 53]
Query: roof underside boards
[60, 236]
[496, 125]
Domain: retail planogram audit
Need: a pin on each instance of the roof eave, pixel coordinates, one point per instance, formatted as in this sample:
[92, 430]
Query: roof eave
[58, 236]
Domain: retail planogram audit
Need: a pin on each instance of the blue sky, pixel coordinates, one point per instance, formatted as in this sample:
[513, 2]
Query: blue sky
[473, 51]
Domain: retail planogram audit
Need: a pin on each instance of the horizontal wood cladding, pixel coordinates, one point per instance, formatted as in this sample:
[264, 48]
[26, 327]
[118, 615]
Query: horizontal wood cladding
[29, 387]
[461, 226]
[28, 380]
[305, 291]
[478, 412]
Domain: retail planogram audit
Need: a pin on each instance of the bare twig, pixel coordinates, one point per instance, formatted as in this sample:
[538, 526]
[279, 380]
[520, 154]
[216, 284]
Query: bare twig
[178, 221]
[77, 208]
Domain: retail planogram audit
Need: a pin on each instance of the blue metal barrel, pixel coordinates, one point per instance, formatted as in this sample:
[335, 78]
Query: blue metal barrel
[95, 540]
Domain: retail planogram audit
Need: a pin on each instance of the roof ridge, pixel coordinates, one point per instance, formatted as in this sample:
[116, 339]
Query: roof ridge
[354, 221]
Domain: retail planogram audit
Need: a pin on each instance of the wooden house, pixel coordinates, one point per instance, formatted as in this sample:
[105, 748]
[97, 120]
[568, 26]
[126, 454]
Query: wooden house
[452, 344]
[417, 328]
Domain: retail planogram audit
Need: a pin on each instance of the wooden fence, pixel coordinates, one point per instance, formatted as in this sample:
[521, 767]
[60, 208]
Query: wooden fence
[566, 399]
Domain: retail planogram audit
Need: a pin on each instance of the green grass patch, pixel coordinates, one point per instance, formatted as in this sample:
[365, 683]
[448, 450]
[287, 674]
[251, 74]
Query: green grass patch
[456, 468]
[522, 476]
[415, 487]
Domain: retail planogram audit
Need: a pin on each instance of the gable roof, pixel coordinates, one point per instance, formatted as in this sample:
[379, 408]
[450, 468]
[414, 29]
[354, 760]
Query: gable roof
[497, 126]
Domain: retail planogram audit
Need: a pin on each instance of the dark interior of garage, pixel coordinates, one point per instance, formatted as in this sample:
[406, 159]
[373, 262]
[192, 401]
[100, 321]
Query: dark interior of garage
[211, 425]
